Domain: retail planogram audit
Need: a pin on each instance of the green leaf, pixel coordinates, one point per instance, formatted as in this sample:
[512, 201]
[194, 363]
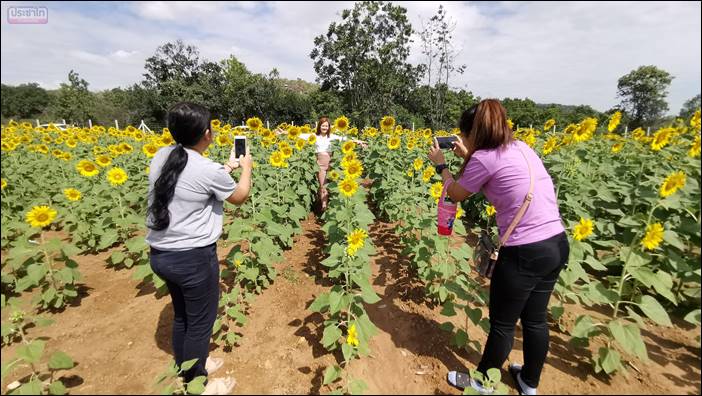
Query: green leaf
[319, 303]
[446, 326]
[448, 309]
[671, 238]
[654, 311]
[60, 361]
[197, 385]
[609, 360]
[583, 327]
[117, 257]
[31, 353]
[557, 311]
[629, 338]
[330, 336]
[693, 317]
[474, 314]
[187, 365]
[461, 338]
[57, 388]
[331, 374]
[33, 387]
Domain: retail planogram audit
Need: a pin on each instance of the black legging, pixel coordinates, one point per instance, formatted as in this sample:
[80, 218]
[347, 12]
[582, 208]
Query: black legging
[520, 288]
[192, 277]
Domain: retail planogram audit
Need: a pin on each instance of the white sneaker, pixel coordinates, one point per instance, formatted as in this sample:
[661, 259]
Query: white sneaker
[220, 386]
[213, 364]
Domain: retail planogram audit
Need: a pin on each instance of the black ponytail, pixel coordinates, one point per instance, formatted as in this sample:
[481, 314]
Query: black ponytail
[187, 123]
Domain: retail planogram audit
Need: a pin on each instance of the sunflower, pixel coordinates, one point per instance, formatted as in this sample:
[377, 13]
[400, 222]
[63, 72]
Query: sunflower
[617, 147]
[387, 123]
[348, 147]
[355, 240]
[66, 156]
[661, 138]
[585, 130]
[216, 123]
[87, 168]
[583, 229]
[654, 236]
[410, 173]
[149, 150]
[138, 136]
[334, 175]
[459, 212]
[353, 169]
[614, 121]
[428, 173]
[352, 338]
[418, 164]
[436, 190]
[549, 124]
[312, 139]
[287, 152]
[341, 123]
[278, 160]
[510, 124]
[4, 183]
[672, 183]
[223, 140]
[370, 132]
[550, 145]
[72, 194]
[103, 160]
[41, 216]
[348, 158]
[254, 123]
[394, 143]
[695, 148]
[117, 176]
[300, 144]
[638, 134]
[490, 210]
[411, 145]
[41, 148]
[348, 187]
[695, 120]
[293, 133]
[71, 143]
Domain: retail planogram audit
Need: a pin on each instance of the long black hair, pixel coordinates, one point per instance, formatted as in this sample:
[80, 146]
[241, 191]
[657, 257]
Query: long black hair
[187, 123]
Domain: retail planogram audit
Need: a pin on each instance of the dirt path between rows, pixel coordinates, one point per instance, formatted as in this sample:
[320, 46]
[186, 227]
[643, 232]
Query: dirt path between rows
[118, 333]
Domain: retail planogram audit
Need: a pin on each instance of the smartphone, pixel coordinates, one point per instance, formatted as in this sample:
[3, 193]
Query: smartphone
[445, 142]
[239, 146]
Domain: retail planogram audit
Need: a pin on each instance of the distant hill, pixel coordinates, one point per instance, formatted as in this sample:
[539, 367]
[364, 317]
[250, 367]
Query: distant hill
[298, 86]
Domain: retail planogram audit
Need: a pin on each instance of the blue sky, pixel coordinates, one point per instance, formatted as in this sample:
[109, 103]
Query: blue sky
[551, 52]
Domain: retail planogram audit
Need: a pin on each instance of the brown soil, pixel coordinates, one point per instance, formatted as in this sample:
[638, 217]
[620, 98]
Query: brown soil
[118, 333]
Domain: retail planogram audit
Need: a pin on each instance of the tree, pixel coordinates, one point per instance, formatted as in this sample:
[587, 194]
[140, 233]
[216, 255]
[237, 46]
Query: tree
[74, 100]
[364, 59]
[690, 107]
[23, 101]
[437, 46]
[643, 92]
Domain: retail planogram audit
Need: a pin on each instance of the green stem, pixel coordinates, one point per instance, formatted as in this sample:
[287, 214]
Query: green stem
[626, 263]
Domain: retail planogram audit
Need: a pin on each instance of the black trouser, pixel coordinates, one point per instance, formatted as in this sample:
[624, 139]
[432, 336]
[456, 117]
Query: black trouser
[192, 277]
[520, 288]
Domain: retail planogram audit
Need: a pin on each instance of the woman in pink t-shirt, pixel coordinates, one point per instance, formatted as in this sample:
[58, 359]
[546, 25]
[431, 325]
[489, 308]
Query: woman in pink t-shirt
[531, 259]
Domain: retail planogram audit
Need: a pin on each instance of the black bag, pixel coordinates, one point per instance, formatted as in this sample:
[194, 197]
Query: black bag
[486, 255]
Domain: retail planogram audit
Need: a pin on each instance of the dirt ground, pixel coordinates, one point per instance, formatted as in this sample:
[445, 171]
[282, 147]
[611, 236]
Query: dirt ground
[119, 335]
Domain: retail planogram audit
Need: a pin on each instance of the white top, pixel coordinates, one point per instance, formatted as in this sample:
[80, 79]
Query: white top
[323, 142]
[197, 205]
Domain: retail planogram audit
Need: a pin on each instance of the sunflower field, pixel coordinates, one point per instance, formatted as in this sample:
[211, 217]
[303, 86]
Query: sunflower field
[631, 205]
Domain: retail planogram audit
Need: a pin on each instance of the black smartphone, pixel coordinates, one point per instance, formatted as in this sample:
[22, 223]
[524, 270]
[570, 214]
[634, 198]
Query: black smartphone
[239, 146]
[445, 142]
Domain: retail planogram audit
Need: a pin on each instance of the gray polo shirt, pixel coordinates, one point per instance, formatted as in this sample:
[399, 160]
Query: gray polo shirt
[197, 205]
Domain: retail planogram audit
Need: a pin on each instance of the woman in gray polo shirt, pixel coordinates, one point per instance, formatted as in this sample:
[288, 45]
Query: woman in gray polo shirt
[186, 194]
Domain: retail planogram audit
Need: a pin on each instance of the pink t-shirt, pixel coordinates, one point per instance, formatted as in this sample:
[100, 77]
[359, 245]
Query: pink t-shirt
[503, 176]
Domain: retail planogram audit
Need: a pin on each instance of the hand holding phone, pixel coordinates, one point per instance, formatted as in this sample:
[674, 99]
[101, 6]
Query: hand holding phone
[238, 150]
[445, 142]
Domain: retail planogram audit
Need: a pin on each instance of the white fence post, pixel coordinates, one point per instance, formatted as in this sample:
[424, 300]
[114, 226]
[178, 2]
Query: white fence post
[626, 131]
[90, 123]
[116, 125]
[413, 127]
[268, 125]
[554, 128]
[648, 131]
[38, 124]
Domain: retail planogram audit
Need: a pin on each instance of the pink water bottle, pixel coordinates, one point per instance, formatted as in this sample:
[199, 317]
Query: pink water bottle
[447, 213]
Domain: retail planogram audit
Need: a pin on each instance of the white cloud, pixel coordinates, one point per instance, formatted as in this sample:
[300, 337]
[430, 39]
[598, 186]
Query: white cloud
[570, 53]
